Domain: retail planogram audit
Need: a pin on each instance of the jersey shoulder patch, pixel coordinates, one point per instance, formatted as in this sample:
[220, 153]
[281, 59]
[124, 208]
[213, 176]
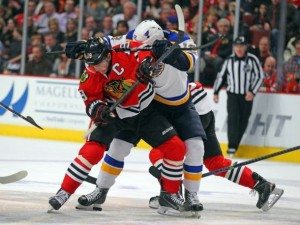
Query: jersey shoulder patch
[83, 77]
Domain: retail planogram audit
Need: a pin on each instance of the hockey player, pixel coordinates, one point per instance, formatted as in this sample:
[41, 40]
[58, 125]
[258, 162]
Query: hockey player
[213, 158]
[173, 101]
[107, 76]
[268, 194]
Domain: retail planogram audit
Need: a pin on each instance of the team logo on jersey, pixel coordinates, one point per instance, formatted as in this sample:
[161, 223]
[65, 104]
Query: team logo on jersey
[116, 88]
[84, 76]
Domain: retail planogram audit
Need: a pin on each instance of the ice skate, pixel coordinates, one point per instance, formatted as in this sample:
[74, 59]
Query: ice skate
[268, 194]
[98, 195]
[153, 202]
[173, 205]
[192, 199]
[58, 200]
[94, 207]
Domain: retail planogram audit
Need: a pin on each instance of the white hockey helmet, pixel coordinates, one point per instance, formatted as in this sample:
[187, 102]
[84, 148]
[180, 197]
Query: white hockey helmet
[148, 31]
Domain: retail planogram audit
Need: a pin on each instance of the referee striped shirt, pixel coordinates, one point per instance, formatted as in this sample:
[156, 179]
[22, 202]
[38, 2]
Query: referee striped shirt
[242, 75]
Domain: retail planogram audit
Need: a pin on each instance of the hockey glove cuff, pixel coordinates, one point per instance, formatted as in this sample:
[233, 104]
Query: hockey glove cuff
[100, 113]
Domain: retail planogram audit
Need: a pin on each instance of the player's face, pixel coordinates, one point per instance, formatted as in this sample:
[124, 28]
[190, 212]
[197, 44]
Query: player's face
[102, 67]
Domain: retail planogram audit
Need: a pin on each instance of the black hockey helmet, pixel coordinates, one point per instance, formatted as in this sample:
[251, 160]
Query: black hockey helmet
[96, 50]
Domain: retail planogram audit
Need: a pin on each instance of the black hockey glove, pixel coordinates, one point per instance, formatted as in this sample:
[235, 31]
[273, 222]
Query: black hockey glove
[159, 47]
[144, 72]
[75, 49]
[100, 113]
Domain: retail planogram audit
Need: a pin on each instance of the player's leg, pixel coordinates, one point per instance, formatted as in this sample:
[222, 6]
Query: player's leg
[89, 155]
[160, 134]
[189, 128]
[213, 159]
[111, 167]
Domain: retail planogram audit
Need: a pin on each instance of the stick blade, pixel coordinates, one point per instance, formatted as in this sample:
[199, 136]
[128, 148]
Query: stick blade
[13, 177]
[30, 120]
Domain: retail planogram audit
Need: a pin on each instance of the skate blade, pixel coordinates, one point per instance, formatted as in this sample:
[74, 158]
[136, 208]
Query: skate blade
[172, 212]
[273, 198]
[51, 210]
[94, 207]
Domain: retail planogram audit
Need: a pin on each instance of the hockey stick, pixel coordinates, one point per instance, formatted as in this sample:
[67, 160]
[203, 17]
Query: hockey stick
[27, 118]
[13, 177]
[157, 173]
[221, 170]
[184, 49]
[158, 61]
[150, 48]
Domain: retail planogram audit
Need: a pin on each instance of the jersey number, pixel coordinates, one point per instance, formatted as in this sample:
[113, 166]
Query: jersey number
[83, 96]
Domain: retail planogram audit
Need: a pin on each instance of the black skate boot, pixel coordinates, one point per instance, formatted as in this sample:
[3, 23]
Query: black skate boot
[153, 202]
[268, 194]
[192, 199]
[97, 196]
[58, 200]
[173, 205]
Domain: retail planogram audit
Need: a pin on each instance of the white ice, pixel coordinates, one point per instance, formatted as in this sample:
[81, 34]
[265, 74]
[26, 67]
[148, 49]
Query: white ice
[26, 201]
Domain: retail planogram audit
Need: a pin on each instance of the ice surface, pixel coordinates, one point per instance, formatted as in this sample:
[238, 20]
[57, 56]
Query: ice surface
[26, 201]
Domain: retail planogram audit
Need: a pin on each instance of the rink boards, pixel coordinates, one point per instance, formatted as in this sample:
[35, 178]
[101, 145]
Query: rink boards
[56, 105]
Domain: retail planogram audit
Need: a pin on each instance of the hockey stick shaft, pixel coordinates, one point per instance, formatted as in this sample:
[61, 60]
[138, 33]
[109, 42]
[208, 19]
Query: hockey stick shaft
[150, 48]
[221, 170]
[156, 172]
[183, 49]
[28, 118]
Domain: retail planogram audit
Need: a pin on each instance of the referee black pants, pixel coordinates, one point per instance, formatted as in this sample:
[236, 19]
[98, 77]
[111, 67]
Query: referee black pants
[239, 111]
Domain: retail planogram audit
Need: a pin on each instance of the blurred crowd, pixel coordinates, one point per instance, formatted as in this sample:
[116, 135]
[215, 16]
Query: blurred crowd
[52, 23]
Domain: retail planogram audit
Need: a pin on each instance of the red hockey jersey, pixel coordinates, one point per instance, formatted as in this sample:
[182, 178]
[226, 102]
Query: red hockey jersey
[111, 86]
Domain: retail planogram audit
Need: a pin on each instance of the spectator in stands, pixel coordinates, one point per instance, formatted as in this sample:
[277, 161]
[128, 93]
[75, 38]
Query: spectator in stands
[91, 26]
[129, 15]
[68, 14]
[107, 25]
[38, 65]
[13, 54]
[64, 67]
[51, 45]
[261, 19]
[222, 9]
[163, 16]
[290, 85]
[263, 51]
[292, 66]
[290, 47]
[71, 31]
[19, 18]
[122, 28]
[54, 29]
[152, 10]
[172, 23]
[215, 55]
[7, 33]
[95, 9]
[42, 22]
[114, 8]
[270, 81]
[291, 26]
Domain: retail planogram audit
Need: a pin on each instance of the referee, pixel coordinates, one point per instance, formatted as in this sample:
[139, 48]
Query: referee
[243, 74]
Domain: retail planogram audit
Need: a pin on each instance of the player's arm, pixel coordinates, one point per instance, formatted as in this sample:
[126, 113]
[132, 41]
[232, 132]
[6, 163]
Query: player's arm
[91, 92]
[177, 58]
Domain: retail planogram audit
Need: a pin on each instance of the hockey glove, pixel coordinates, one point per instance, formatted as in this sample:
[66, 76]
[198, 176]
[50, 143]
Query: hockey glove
[75, 50]
[159, 47]
[144, 72]
[100, 113]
